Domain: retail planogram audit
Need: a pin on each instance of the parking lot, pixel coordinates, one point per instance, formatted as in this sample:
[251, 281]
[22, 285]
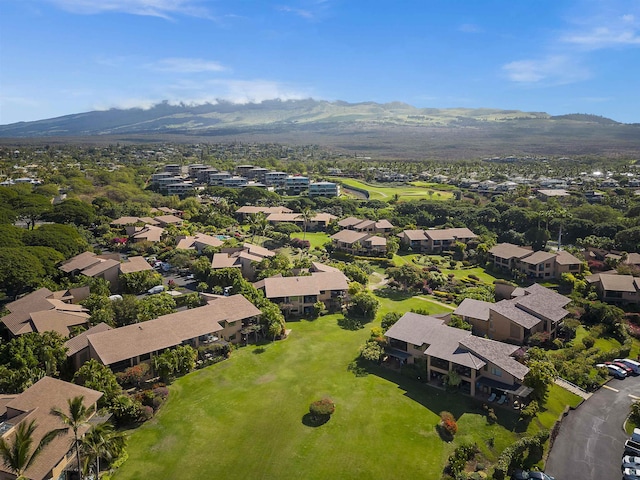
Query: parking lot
[591, 439]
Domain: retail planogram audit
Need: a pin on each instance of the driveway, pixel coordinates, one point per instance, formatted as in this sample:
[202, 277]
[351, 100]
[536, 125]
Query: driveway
[591, 440]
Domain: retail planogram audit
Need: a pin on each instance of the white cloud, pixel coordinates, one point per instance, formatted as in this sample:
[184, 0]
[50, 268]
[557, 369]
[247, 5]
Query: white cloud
[307, 9]
[188, 92]
[155, 8]
[603, 37]
[186, 65]
[470, 28]
[610, 24]
[553, 69]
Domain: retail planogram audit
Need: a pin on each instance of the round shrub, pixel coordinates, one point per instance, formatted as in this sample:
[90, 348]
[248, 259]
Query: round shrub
[322, 409]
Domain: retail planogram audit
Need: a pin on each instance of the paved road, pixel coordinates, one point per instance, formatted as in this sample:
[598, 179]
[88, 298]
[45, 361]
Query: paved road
[591, 440]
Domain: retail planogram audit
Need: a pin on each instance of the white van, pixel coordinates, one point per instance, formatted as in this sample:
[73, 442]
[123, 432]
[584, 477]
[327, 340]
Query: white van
[156, 289]
[632, 364]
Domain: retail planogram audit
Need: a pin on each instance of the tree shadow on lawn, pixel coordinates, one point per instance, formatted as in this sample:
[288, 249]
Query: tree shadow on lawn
[314, 421]
[436, 400]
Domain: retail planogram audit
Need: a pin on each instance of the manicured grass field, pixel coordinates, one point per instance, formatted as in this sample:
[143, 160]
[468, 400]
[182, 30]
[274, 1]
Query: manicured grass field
[317, 239]
[405, 192]
[399, 302]
[244, 418]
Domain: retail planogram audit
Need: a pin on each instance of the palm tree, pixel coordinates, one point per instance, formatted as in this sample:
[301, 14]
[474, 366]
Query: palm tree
[102, 441]
[307, 214]
[18, 456]
[77, 416]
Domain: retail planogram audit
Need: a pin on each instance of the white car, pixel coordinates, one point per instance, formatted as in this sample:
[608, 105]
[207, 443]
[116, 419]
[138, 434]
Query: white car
[632, 364]
[629, 461]
[613, 370]
[631, 474]
[156, 289]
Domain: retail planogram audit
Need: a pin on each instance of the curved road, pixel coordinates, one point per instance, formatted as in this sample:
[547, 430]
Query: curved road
[591, 440]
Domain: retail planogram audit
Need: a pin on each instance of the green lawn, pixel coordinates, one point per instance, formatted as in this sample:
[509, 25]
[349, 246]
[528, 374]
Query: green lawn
[603, 343]
[405, 192]
[393, 301]
[480, 272]
[243, 418]
[317, 239]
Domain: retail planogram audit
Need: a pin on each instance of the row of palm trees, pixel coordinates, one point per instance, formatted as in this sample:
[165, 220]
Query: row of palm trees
[101, 441]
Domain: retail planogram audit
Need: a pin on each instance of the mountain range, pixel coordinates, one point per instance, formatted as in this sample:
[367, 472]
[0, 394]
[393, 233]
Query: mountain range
[387, 130]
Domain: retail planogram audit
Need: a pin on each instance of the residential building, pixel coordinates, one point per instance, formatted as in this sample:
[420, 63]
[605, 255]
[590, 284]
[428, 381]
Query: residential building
[483, 365]
[222, 318]
[530, 310]
[57, 459]
[108, 267]
[179, 188]
[435, 240]
[297, 295]
[324, 189]
[275, 179]
[253, 210]
[243, 170]
[383, 226]
[198, 242]
[244, 258]
[359, 243]
[204, 175]
[217, 179]
[318, 222]
[46, 311]
[193, 169]
[546, 194]
[235, 182]
[258, 174]
[614, 288]
[89, 264]
[296, 184]
[148, 233]
[538, 265]
[173, 168]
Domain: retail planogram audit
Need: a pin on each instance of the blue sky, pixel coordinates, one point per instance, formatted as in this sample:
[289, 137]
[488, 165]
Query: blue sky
[559, 56]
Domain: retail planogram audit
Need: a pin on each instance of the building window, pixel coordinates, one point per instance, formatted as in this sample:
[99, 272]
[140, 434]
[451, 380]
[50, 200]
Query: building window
[496, 371]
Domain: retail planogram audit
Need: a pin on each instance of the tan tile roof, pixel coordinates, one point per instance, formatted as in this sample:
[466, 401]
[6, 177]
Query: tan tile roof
[279, 287]
[224, 260]
[148, 220]
[449, 233]
[100, 267]
[169, 330]
[168, 220]
[414, 234]
[376, 241]
[323, 217]
[150, 233]
[565, 258]
[285, 217]
[57, 321]
[497, 353]
[80, 262]
[508, 309]
[321, 267]
[473, 308]
[257, 250]
[538, 257]
[126, 221]
[509, 250]
[80, 342]
[618, 283]
[349, 236]
[349, 222]
[135, 264]
[191, 242]
[38, 400]
[19, 320]
[383, 224]
[251, 210]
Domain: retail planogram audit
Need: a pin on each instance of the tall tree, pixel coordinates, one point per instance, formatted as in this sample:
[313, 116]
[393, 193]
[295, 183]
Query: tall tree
[75, 418]
[18, 455]
[102, 441]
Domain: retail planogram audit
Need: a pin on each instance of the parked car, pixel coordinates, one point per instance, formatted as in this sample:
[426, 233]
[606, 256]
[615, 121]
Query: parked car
[629, 461]
[191, 276]
[632, 364]
[156, 289]
[524, 475]
[631, 474]
[627, 369]
[613, 370]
